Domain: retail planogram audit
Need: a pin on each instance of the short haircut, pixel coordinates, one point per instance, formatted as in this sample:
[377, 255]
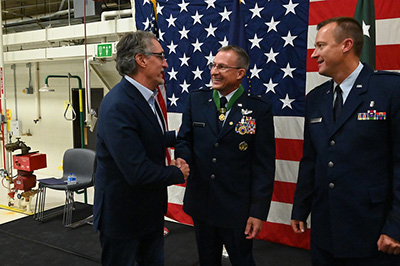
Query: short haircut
[131, 44]
[347, 27]
[243, 57]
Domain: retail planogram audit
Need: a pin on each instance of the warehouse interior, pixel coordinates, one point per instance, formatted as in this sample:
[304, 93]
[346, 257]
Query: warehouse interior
[52, 51]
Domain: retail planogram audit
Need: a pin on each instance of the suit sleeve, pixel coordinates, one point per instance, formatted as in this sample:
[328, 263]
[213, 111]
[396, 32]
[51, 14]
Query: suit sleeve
[305, 182]
[392, 224]
[263, 165]
[183, 147]
[121, 129]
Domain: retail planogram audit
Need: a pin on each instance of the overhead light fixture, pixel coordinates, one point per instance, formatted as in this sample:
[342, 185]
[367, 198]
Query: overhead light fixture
[46, 88]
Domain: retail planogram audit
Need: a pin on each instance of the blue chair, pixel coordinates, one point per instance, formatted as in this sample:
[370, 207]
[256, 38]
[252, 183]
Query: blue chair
[80, 161]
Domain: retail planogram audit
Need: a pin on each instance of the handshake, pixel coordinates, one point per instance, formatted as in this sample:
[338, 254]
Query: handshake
[182, 165]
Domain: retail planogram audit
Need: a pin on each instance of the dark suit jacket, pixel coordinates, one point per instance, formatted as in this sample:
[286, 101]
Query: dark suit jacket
[349, 177]
[131, 177]
[226, 184]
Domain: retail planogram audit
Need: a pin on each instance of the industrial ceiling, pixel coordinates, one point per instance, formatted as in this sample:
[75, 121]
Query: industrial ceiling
[27, 15]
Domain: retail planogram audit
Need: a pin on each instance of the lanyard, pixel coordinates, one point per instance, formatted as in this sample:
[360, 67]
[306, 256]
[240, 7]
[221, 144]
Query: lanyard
[234, 97]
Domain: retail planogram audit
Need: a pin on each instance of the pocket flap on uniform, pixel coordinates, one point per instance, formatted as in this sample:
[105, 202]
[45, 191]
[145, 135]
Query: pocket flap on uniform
[378, 194]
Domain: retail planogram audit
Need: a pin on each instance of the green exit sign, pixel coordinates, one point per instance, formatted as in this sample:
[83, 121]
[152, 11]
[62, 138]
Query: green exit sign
[104, 50]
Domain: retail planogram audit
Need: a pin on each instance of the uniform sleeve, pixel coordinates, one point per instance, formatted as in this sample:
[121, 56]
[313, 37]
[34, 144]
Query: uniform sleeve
[263, 165]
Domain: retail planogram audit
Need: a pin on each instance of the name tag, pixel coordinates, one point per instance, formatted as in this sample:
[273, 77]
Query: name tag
[316, 120]
[199, 124]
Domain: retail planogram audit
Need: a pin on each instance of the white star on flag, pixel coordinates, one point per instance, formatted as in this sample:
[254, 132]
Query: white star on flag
[224, 42]
[290, 7]
[254, 72]
[210, 3]
[146, 24]
[272, 24]
[184, 33]
[161, 35]
[255, 41]
[270, 86]
[210, 30]
[172, 47]
[288, 71]
[289, 39]
[184, 60]
[197, 18]
[183, 6]
[271, 55]
[172, 74]
[197, 73]
[210, 58]
[256, 11]
[173, 99]
[225, 14]
[159, 9]
[366, 29]
[197, 46]
[171, 21]
[185, 86]
[287, 102]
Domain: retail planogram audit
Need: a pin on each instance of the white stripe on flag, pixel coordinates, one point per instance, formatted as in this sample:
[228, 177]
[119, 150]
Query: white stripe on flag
[175, 194]
[286, 171]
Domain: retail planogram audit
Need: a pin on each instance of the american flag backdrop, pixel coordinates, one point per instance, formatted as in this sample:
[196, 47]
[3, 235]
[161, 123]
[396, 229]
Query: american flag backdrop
[280, 39]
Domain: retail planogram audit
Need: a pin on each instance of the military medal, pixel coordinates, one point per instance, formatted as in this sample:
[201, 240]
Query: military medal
[221, 117]
[243, 146]
[246, 125]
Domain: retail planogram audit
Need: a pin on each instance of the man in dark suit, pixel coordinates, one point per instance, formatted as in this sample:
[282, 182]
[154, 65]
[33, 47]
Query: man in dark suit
[132, 176]
[349, 177]
[229, 190]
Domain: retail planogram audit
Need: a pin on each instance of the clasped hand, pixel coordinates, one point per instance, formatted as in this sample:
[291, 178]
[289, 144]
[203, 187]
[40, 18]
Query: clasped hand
[182, 165]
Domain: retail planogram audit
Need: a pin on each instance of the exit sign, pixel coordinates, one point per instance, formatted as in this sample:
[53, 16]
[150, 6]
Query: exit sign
[104, 50]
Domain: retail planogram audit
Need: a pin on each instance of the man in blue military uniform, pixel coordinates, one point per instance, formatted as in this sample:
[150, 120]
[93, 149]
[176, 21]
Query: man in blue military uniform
[349, 177]
[227, 137]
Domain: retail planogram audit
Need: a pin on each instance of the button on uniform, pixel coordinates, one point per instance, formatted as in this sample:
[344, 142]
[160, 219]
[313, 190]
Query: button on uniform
[332, 143]
[216, 145]
[212, 176]
[331, 185]
[331, 164]
[214, 160]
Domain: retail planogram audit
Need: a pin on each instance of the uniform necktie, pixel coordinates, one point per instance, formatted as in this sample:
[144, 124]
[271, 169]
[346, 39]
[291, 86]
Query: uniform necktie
[338, 104]
[222, 111]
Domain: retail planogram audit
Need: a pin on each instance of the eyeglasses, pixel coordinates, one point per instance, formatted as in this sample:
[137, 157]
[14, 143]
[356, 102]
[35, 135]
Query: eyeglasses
[221, 67]
[161, 55]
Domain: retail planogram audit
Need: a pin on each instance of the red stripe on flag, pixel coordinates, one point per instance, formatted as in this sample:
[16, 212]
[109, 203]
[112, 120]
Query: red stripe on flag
[282, 233]
[385, 9]
[322, 10]
[175, 212]
[289, 149]
[387, 58]
[283, 192]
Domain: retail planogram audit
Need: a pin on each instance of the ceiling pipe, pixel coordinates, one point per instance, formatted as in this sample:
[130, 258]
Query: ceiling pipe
[40, 19]
[107, 14]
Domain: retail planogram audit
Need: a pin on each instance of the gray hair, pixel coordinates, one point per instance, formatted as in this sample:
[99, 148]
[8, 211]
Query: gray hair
[243, 57]
[131, 44]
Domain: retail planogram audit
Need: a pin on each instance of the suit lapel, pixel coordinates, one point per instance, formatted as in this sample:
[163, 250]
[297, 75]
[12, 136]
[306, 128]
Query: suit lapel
[327, 106]
[142, 105]
[210, 113]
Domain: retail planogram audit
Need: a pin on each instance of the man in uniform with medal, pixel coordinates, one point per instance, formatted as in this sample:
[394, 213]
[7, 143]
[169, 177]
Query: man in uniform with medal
[227, 138]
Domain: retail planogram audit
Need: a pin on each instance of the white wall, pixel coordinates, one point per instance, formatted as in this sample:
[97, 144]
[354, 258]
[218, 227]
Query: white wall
[52, 135]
